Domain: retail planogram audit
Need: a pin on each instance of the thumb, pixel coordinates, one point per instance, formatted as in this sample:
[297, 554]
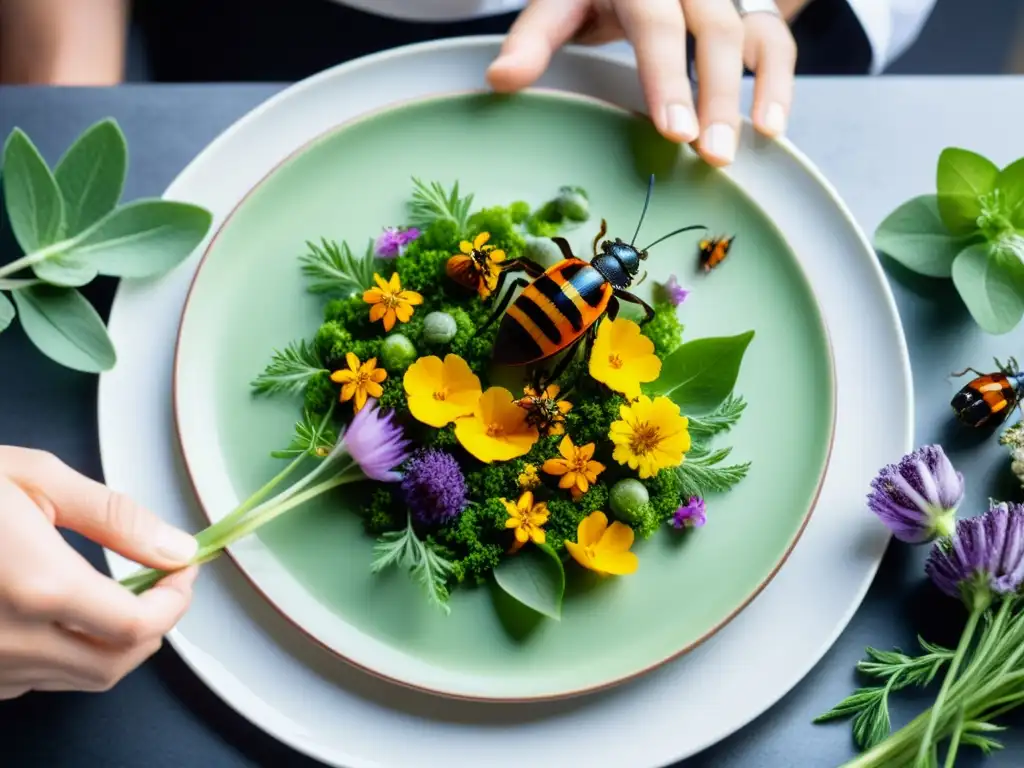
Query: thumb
[109, 518]
[542, 28]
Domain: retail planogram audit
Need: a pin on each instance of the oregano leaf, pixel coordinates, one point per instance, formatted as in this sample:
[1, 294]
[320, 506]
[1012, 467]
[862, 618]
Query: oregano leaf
[915, 236]
[990, 281]
[963, 178]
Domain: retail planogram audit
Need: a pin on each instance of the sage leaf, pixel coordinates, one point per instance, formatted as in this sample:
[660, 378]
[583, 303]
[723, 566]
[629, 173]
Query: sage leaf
[990, 281]
[915, 236]
[963, 178]
[1011, 186]
[65, 327]
[64, 271]
[34, 204]
[91, 176]
[700, 374]
[143, 238]
[6, 312]
[535, 577]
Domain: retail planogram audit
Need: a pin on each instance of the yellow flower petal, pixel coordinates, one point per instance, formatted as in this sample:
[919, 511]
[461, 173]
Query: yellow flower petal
[555, 466]
[512, 522]
[586, 451]
[497, 255]
[615, 563]
[617, 538]
[568, 480]
[395, 285]
[373, 296]
[378, 375]
[591, 528]
[389, 319]
[360, 398]
[579, 553]
[525, 503]
[373, 389]
[347, 392]
[342, 375]
[381, 283]
[403, 311]
[353, 363]
[411, 297]
[522, 535]
[377, 311]
[482, 238]
[537, 535]
[466, 247]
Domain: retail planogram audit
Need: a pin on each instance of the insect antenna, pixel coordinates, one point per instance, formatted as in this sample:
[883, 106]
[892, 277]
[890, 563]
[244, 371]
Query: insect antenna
[673, 234]
[647, 200]
[642, 278]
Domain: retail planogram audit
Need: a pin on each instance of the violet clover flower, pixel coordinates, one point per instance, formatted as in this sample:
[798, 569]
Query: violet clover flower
[434, 487]
[375, 442]
[392, 241]
[918, 497]
[692, 514]
[986, 553]
[675, 292]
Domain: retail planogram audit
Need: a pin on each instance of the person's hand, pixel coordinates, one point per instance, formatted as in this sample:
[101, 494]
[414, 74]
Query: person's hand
[657, 30]
[63, 624]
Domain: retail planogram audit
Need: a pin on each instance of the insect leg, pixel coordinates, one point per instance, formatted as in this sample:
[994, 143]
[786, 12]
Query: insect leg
[648, 309]
[529, 266]
[601, 233]
[564, 247]
[613, 308]
[503, 302]
[965, 371]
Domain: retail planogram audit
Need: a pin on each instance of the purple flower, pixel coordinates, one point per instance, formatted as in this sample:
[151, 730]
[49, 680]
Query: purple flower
[917, 498]
[375, 442]
[392, 241]
[691, 514]
[984, 557]
[434, 487]
[676, 293]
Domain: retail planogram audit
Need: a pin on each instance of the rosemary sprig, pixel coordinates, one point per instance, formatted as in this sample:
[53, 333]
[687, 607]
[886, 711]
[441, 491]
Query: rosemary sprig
[289, 370]
[332, 268]
[432, 203]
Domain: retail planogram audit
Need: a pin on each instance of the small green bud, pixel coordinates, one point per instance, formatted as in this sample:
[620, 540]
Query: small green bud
[628, 498]
[439, 328]
[542, 250]
[397, 352]
[573, 203]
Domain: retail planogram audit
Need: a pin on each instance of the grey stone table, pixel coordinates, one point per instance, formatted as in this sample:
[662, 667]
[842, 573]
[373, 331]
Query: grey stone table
[876, 140]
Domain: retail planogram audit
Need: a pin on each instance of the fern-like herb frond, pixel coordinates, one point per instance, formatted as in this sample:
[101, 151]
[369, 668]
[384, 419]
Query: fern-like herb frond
[289, 370]
[432, 203]
[404, 549]
[333, 268]
[722, 419]
[700, 474]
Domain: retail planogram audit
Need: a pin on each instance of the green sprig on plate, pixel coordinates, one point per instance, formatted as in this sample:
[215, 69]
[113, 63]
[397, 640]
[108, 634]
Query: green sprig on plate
[971, 230]
[72, 227]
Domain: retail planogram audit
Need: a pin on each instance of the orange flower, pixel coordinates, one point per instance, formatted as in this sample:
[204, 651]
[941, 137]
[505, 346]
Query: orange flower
[359, 381]
[477, 265]
[388, 301]
[577, 467]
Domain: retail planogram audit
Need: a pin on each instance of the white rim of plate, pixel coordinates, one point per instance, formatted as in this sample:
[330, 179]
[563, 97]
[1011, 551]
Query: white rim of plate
[562, 69]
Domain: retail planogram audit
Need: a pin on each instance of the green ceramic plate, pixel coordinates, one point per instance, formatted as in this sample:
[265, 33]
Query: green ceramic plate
[313, 565]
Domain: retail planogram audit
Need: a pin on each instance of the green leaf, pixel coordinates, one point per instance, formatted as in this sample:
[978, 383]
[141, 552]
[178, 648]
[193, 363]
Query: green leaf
[700, 374]
[915, 236]
[6, 312]
[91, 175]
[34, 203]
[857, 701]
[313, 435]
[65, 271]
[65, 327]
[289, 370]
[1011, 187]
[962, 179]
[143, 238]
[990, 281]
[535, 577]
[430, 204]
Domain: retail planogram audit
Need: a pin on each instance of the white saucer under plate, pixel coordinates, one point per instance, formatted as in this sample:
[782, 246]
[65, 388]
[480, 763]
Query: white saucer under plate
[243, 650]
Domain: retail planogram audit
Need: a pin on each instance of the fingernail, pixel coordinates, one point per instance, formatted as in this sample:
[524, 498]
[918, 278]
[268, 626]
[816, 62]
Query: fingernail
[681, 121]
[775, 119]
[720, 141]
[176, 545]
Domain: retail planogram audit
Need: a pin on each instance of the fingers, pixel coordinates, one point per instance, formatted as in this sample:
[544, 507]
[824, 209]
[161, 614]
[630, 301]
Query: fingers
[95, 511]
[542, 28]
[770, 52]
[102, 608]
[718, 33]
[658, 33]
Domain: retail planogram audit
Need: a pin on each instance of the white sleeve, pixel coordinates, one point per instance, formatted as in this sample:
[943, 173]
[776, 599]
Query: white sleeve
[891, 26]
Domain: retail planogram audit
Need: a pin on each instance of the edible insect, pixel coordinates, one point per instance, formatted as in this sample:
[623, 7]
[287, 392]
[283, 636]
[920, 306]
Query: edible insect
[987, 399]
[714, 250]
[559, 308]
[542, 407]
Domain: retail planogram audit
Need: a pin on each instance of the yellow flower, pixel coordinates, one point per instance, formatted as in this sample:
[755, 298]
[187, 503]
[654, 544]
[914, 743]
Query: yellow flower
[528, 478]
[603, 548]
[577, 468]
[439, 393]
[651, 435]
[359, 381]
[389, 301]
[526, 518]
[497, 430]
[477, 266]
[622, 357]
